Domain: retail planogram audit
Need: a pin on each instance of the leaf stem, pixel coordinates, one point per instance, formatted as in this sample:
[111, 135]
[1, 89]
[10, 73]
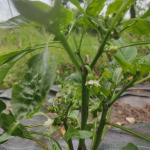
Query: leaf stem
[144, 79]
[128, 130]
[117, 17]
[121, 91]
[32, 126]
[135, 43]
[40, 143]
[68, 49]
[77, 51]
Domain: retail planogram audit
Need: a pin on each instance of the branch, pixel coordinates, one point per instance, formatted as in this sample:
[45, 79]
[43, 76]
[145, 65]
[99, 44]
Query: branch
[128, 130]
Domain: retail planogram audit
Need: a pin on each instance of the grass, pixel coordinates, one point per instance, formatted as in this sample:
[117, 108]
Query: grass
[20, 38]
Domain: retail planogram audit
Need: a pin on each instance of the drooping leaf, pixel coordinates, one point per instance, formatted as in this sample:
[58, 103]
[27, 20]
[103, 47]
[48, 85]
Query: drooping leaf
[2, 106]
[114, 7]
[7, 61]
[75, 78]
[130, 146]
[138, 26]
[95, 7]
[146, 14]
[77, 4]
[29, 94]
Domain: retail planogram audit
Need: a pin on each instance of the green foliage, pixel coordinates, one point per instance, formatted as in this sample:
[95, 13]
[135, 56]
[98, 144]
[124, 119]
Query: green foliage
[80, 88]
[2, 106]
[134, 25]
[35, 84]
[130, 146]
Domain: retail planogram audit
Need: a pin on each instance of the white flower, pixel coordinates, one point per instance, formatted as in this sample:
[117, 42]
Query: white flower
[49, 124]
[92, 82]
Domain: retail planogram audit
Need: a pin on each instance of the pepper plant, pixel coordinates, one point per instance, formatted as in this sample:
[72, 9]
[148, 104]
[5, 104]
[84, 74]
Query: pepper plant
[80, 88]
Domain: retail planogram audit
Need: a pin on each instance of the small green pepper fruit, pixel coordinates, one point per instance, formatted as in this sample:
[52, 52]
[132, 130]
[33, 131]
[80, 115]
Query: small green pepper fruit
[113, 49]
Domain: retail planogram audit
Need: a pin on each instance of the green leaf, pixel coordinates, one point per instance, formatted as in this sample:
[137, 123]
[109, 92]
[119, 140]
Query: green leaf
[145, 59]
[117, 4]
[68, 16]
[74, 114]
[21, 21]
[7, 61]
[77, 4]
[50, 19]
[75, 78]
[114, 7]
[85, 134]
[144, 68]
[106, 86]
[72, 132]
[2, 106]
[4, 137]
[117, 75]
[6, 122]
[29, 94]
[138, 26]
[124, 55]
[129, 53]
[130, 146]
[146, 14]
[95, 7]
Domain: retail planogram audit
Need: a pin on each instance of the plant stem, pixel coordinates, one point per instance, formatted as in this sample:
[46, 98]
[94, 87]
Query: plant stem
[84, 110]
[78, 50]
[81, 39]
[117, 17]
[39, 133]
[144, 79]
[68, 49]
[128, 130]
[100, 50]
[121, 91]
[70, 140]
[135, 43]
[34, 126]
[98, 135]
[40, 143]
